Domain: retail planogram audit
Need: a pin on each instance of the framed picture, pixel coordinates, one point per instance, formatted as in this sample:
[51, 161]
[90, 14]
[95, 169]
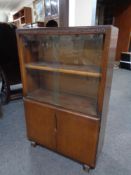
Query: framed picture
[39, 10]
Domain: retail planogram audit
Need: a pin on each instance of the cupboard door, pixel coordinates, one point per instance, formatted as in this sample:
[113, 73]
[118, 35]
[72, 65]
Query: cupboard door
[40, 123]
[77, 137]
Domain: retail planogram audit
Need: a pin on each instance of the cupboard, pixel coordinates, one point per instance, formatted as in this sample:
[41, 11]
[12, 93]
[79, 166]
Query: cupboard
[66, 75]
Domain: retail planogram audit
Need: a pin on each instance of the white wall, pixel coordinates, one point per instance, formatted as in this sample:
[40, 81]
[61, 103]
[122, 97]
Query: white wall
[72, 5]
[82, 12]
[3, 16]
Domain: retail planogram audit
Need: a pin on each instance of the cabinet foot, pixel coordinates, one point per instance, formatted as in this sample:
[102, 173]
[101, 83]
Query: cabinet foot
[86, 168]
[33, 144]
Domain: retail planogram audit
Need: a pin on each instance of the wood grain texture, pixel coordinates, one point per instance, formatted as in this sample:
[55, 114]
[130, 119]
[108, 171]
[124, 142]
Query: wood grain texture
[124, 25]
[24, 16]
[65, 30]
[40, 122]
[71, 134]
[105, 86]
[75, 134]
[108, 57]
[75, 70]
[22, 66]
[77, 137]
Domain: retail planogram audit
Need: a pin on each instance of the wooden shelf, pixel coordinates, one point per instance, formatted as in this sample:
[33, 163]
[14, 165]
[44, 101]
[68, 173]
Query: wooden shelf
[91, 71]
[84, 105]
[24, 16]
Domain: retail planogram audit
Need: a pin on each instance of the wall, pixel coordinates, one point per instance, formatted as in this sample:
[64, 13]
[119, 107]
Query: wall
[123, 22]
[10, 15]
[72, 4]
[82, 12]
[3, 16]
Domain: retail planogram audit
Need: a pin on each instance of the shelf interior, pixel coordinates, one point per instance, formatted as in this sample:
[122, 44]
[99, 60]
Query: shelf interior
[22, 20]
[73, 102]
[82, 70]
[64, 70]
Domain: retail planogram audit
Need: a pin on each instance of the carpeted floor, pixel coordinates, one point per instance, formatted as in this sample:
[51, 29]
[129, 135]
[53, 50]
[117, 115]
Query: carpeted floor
[17, 157]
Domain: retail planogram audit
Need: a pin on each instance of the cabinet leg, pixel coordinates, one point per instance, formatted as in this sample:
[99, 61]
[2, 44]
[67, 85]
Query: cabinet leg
[33, 144]
[86, 168]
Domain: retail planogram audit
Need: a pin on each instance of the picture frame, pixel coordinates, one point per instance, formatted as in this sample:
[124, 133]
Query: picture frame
[39, 10]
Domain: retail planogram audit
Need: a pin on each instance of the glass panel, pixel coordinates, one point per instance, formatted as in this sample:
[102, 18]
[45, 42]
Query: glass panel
[68, 91]
[66, 50]
[54, 7]
[47, 8]
[64, 70]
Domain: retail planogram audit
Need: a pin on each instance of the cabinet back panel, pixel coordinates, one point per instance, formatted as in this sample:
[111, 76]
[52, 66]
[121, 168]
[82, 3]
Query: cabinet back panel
[62, 83]
[72, 84]
[58, 89]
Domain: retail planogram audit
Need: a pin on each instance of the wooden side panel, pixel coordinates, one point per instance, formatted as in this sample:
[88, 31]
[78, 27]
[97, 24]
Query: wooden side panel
[107, 64]
[105, 88]
[22, 64]
[124, 25]
[77, 137]
[40, 121]
[29, 82]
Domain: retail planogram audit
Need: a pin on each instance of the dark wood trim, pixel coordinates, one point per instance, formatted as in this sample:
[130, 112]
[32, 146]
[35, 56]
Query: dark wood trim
[63, 13]
[22, 68]
[65, 30]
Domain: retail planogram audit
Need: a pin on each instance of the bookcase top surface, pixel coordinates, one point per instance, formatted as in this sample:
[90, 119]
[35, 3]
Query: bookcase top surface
[101, 29]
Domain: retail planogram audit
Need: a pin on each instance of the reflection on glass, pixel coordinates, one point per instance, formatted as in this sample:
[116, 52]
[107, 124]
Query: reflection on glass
[78, 50]
[54, 7]
[39, 11]
[65, 70]
[47, 7]
[51, 7]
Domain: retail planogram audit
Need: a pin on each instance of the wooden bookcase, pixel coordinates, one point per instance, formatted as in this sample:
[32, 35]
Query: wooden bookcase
[23, 16]
[67, 74]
